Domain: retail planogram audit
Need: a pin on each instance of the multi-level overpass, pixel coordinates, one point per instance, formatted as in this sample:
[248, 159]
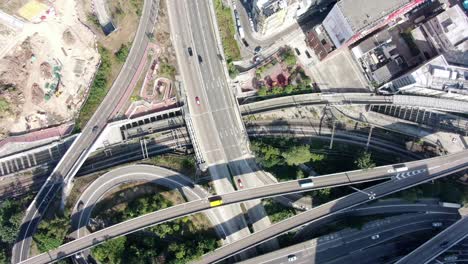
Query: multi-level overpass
[419, 172]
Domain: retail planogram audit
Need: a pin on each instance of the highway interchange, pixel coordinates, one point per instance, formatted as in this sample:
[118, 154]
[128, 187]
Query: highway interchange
[222, 139]
[425, 170]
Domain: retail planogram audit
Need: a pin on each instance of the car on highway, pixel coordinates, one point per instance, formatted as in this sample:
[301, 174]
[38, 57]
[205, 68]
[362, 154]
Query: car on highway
[200, 59]
[444, 244]
[190, 51]
[197, 100]
[240, 184]
[436, 224]
[374, 237]
[257, 49]
[95, 129]
[292, 258]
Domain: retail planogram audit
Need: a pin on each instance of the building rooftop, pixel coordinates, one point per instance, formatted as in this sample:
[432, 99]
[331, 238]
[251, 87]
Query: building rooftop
[453, 23]
[363, 13]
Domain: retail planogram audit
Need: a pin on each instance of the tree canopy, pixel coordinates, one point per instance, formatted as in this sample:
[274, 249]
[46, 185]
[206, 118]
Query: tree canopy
[364, 161]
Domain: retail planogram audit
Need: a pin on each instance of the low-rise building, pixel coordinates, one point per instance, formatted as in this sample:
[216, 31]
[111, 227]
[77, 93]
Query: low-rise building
[448, 30]
[445, 75]
[270, 16]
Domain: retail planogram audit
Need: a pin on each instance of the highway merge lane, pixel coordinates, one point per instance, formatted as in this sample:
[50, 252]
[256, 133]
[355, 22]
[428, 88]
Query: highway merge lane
[439, 167]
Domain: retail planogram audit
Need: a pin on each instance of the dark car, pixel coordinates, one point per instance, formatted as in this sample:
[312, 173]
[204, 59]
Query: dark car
[444, 244]
[257, 49]
[200, 60]
[297, 51]
[190, 51]
[308, 54]
[95, 129]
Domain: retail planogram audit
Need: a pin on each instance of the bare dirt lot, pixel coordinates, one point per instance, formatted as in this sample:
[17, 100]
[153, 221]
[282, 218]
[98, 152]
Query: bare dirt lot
[45, 71]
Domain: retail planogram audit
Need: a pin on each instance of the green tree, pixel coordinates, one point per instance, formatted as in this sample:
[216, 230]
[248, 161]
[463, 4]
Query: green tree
[289, 58]
[51, 233]
[111, 251]
[268, 156]
[289, 89]
[297, 155]
[233, 71]
[122, 53]
[263, 91]
[10, 219]
[277, 90]
[300, 174]
[364, 161]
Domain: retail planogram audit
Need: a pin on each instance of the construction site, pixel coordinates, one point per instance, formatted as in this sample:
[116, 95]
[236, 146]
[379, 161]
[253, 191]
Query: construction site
[47, 60]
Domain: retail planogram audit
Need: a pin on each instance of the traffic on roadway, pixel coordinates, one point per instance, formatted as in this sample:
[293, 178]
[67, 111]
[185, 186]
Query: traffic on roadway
[434, 168]
[77, 153]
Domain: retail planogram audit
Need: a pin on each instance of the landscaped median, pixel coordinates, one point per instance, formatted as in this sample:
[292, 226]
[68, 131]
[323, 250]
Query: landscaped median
[227, 30]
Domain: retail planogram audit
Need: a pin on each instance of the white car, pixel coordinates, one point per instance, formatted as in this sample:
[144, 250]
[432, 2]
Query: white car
[436, 224]
[374, 237]
[292, 258]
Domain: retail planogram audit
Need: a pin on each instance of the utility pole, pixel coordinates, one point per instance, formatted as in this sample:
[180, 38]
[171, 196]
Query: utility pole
[333, 135]
[369, 137]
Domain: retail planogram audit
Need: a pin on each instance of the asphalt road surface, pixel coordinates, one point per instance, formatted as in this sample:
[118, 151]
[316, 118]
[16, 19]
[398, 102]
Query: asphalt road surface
[342, 244]
[418, 172]
[84, 206]
[76, 154]
[439, 244]
[218, 129]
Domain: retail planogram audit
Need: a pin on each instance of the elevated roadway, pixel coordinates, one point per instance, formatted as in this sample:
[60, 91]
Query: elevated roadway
[341, 245]
[214, 121]
[348, 99]
[85, 204]
[77, 153]
[419, 172]
[438, 244]
[435, 170]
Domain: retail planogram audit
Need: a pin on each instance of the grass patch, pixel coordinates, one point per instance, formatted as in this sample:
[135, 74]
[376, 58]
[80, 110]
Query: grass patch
[167, 70]
[138, 5]
[227, 30]
[276, 211]
[98, 89]
[183, 164]
[4, 106]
